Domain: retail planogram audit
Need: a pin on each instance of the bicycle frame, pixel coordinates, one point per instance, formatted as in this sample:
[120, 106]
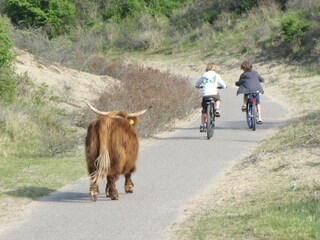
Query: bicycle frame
[251, 112]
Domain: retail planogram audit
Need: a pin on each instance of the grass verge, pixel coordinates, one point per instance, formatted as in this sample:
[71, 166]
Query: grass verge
[24, 180]
[272, 194]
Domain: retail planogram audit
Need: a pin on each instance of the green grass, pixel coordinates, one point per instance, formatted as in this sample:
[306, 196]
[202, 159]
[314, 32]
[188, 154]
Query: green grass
[274, 197]
[35, 177]
[297, 219]
[24, 180]
[284, 215]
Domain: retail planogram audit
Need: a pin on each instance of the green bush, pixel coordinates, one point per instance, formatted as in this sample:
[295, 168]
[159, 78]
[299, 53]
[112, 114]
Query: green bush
[33, 125]
[293, 26]
[5, 44]
[61, 15]
[116, 10]
[240, 7]
[7, 82]
[8, 85]
[54, 16]
[165, 7]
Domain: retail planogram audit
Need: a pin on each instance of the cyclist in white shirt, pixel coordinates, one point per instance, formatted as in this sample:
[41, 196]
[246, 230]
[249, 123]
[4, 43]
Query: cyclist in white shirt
[209, 83]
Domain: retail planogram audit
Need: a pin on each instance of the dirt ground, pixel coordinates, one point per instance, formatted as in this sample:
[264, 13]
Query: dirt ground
[72, 85]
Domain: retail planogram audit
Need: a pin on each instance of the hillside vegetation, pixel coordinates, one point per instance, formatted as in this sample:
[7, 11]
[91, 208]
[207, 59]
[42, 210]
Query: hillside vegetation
[111, 38]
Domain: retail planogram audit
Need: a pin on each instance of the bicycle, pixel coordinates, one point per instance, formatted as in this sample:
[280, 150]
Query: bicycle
[251, 110]
[210, 117]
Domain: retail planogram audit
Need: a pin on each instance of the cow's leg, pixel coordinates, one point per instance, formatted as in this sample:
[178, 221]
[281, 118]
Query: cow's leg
[111, 190]
[128, 185]
[94, 191]
[108, 188]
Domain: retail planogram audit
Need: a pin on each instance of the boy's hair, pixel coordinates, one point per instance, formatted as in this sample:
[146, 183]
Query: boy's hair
[246, 66]
[211, 67]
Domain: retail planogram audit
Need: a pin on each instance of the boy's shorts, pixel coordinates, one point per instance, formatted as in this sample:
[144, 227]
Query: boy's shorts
[205, 99]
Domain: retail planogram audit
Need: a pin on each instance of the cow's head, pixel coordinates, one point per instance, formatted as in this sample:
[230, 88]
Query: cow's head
[131, 117]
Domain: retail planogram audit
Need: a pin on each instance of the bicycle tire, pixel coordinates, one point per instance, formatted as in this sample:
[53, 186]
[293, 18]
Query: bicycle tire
[249, 113]
[213, 120]
[209, 121]
[254, 117]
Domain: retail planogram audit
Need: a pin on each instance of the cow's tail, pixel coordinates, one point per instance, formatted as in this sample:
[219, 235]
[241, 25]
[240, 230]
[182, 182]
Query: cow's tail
[102, 163]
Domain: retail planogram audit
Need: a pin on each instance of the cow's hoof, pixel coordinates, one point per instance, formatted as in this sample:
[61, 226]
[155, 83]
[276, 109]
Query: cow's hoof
[94, 198]
[94, 195]
[129, 189]
[114, 197]
[107, 193]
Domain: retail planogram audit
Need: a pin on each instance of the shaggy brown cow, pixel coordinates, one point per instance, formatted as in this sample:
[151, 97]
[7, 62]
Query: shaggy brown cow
[111, 150]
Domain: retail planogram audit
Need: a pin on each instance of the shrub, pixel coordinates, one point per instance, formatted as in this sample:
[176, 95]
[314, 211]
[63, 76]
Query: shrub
[240, 7]
[33, 125]
[116, 12]
[5, 44]
[54, 16]
[7, 82]
[293, 26]
[8, 85]
[171, 97]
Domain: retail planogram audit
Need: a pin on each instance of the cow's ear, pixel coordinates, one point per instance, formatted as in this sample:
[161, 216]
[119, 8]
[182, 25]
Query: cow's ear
[132, 120]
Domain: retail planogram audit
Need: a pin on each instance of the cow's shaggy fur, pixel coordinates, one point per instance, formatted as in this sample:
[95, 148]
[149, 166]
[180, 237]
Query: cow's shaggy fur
[111, 150]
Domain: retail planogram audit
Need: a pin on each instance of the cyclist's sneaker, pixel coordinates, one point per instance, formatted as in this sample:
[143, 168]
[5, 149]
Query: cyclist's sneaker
[201, 128]
[259, 121]
[244, 108]
[217, 113]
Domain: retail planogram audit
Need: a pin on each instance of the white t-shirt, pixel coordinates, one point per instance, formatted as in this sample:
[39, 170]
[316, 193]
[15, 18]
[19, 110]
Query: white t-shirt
[210, 81]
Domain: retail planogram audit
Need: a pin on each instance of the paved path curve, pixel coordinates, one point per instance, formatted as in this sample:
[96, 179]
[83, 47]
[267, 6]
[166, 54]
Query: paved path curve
[171, 171]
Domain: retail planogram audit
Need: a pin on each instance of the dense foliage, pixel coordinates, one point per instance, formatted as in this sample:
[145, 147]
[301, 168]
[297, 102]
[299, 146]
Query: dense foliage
[118, 10]
[5, 44]
[7, 82]
[56, 16]
[293, 26]
[269, 28]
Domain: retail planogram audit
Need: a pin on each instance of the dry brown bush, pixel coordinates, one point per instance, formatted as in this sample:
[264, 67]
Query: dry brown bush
[171, 97]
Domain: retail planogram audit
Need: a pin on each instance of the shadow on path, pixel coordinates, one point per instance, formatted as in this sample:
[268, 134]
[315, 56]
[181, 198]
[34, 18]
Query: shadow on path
[46, 194]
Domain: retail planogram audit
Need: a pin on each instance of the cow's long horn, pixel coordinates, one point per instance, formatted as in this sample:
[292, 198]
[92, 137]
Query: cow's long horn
[96, 110]
[137, 114]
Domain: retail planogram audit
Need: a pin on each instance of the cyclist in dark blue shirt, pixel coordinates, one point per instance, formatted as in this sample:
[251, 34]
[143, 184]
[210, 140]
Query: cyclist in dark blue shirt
[249, 82]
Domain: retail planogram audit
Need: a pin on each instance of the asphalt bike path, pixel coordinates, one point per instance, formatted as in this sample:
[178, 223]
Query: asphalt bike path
[170, 173]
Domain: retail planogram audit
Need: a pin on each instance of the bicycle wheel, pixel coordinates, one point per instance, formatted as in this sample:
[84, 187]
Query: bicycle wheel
[254, 117]
[209, 121]
[213, 120]
[249, 115]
